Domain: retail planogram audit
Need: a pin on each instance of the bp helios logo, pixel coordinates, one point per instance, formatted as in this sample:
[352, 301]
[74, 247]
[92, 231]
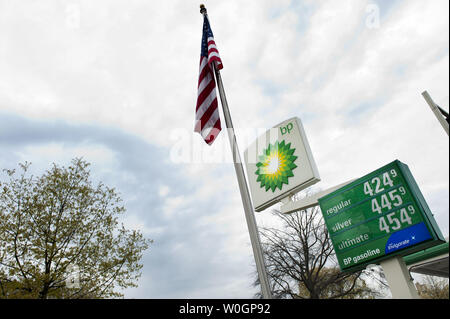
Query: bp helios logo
[275, 166]
[279, 163]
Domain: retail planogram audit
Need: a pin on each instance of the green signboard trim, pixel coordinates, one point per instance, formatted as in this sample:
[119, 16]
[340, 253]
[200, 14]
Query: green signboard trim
[422, 255]
[431, 222]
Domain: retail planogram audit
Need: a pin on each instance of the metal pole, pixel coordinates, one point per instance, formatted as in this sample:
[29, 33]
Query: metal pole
[435, 110]
[245, 194]
[399, 279]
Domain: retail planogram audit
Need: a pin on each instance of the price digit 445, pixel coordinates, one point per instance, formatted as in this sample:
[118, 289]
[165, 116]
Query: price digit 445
[393, 200]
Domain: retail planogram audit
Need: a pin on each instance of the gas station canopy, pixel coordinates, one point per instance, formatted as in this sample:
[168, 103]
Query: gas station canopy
[432, 261]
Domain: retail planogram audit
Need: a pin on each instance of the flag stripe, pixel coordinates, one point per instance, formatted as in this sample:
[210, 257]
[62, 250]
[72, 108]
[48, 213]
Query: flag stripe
[206, 97]
[206, 105]
[210, 123]
[204, 83]
[206, 118]
[215, 130]
[203, 71]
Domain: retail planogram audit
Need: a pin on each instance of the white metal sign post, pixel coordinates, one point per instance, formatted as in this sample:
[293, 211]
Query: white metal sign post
[398, 278]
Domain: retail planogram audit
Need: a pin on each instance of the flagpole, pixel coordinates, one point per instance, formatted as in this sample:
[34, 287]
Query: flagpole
[245, 194]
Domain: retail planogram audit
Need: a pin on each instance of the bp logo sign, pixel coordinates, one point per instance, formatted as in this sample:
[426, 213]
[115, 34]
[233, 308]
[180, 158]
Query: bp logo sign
[279, 163]
[275, 166]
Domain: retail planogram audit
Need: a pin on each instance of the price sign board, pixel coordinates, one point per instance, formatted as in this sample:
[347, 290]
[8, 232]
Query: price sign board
[378, 216]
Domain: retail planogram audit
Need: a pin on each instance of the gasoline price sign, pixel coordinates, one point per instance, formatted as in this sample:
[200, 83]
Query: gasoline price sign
[378, 216]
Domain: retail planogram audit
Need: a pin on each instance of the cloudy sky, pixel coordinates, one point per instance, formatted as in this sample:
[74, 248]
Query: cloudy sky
[114, 82]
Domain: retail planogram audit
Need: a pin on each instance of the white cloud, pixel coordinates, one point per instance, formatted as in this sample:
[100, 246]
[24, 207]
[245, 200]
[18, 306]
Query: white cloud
[44, 154]
[174, 205]
[163, 190]
[132, 221]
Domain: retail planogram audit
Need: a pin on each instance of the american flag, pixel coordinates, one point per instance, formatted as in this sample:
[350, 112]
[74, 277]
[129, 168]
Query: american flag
[207, 119]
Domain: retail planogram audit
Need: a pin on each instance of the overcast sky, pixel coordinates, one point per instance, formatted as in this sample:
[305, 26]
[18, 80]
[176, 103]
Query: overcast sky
[115, 82]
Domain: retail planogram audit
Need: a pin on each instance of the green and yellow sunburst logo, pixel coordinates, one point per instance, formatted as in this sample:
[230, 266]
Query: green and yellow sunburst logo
[275, 166]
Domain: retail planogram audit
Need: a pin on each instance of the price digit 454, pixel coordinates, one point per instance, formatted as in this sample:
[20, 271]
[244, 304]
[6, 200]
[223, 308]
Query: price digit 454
[393, 223]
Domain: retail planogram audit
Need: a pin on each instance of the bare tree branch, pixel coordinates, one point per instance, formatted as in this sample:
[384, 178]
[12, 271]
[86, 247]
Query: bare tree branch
[300, 259]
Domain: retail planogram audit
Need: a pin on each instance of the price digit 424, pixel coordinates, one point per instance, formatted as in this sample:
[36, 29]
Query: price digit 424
[377, 184]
